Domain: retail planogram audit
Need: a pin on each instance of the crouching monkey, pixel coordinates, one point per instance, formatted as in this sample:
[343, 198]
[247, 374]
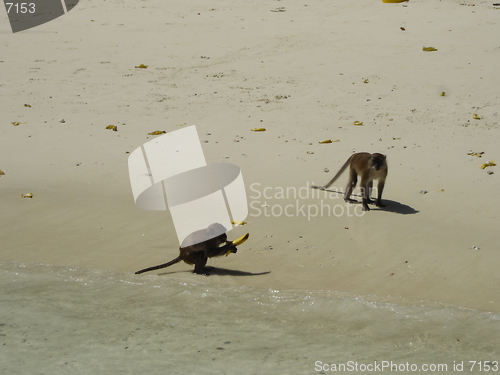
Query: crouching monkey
[192, 251]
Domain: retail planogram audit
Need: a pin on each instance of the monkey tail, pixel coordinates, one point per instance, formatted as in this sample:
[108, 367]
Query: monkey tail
[164, 265]
[338, 173]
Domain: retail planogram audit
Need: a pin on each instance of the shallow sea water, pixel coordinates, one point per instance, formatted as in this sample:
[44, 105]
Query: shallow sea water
[58, 320]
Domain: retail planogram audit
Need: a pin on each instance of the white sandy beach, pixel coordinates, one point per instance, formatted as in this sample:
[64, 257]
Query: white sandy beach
[305, 73]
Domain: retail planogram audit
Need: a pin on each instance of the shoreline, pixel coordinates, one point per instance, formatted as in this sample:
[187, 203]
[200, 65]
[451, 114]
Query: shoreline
[183, 277]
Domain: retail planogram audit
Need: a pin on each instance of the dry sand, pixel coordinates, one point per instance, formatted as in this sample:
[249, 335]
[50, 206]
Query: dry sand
[228, 67]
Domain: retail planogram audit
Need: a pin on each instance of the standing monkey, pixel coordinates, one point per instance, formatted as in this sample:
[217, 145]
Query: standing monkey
[369, 167]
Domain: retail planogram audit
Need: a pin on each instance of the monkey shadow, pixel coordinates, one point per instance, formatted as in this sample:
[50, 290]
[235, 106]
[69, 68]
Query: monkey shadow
[226, 272]
[390, 206]
[398, 208]
[221, 272]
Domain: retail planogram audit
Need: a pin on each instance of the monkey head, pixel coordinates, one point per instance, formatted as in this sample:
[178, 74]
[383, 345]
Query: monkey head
[377, 161]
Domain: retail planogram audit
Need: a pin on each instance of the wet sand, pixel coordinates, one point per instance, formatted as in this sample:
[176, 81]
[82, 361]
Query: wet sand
[306, 74]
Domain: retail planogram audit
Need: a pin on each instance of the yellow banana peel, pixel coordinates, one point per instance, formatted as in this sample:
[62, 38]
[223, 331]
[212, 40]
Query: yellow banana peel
[239, 241]
[237, 222]
[489, 164]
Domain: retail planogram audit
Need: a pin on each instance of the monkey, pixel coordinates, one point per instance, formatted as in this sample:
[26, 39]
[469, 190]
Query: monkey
[369, 167]
[198, 253]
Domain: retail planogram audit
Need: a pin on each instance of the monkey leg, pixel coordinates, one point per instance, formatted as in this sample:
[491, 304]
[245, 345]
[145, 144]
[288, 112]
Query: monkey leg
[370, 190]
[364, 193]
[201, 258]
[365, 205]
[223, 250]
[380, 189]
[351, 184]
[200, 264]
